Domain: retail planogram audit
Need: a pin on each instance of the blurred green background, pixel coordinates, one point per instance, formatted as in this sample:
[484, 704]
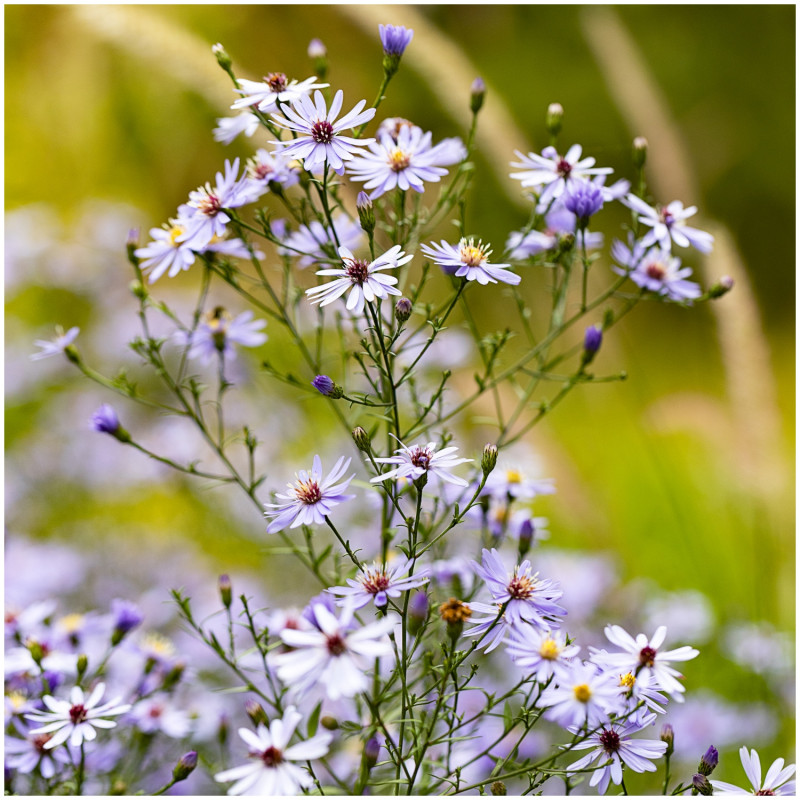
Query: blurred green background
[686, 471]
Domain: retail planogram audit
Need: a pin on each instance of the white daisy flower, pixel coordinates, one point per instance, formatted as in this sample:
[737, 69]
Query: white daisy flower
[776, 781]
[415, 461]
[274, 89]
[378, 583]
[469, 260]
[669, 223]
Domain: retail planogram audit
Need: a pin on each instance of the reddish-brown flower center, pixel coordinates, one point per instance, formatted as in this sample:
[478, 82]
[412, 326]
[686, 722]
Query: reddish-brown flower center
[272, 757]
[336, 645]
[765, 793]
[322, 132]
[308, 492]
[40, 741]
[610, 741]
[398, 160]
[421, 457]
[375, 581]
[357, 270]
[261, 171]
[277, 81]
[647, 656]
[521, 587]
[666, 217]
[209, 204]
[77, 713]
[655, 270]
[563, 168]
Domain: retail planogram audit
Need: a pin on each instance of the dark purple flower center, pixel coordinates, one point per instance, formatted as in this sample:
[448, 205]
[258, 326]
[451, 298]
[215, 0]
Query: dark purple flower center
[765, 793]
[209, 205]
[647, 656]
[357, 270]
[262, 171]
[77, 713]
[521, 587]
[666, 217]
[272, 757]
[610, 740]
[336, 645]
[655, 270]
[420, 457]
[277, 81]
[322, 132]
[563, 167]
[308, 492]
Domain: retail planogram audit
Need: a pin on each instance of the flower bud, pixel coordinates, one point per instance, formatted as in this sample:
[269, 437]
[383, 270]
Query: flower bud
[499, 789]
[223, 59]
[138, 290]
[526, 532]
[361, 438]
[36, 649]
[105, 420]
[489, 458]
[592, 340]
[709, 761]
[118, 788]
[256, 712]
[639, 152]
[174, 675]
[554, 118]
[418, 609]
[372, 749]
[225, 590]
[477, 94]
[329, 723]
[325, 385]
[223, 729]
[82, 665]
[318, 54]
[668, 736]
[131, 243]
[702, 785]
[366, 213]
[402, 309]
[395, 39]
[185, 766]
[721, 287]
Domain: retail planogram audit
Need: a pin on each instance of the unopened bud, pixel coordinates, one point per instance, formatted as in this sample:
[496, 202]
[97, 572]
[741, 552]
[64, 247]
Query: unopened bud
[592, 340]
[526, 531]
[256, 712]
[223, 59]
[668, 736]
[372, 749]
[709, 761]
[318, 54]
[131, 243]
[402, 309]
[329, 723]
[477, 95]
[222, 730]
[138, 290]
[82, 665]
[361, 438]
[639, 152]
[489, 458]
[418, 608]
[36, 649]
[499, 789]
[185, 766]
[174, 675]
[118, 788]
[554, 118]
[366, 213]
[325, 385]
[702, 785]
[721, 287]
[225, 590]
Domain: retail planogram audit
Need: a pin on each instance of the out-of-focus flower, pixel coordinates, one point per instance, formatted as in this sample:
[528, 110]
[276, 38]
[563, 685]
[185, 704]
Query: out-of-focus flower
[228, 128]
[267, 169]
[335, 656]
[512, 482]
[310, 498]
[584, 695]
[541, 653]
[26, 755]
[218, 333]
[378, 583]
[127, 616]
[105, 420]
[405, 162]
[363, 278]
[275, 89]
[656, 270]
[469, 260]
[418, 460]
[669, 223]
[320, 141]
[613, 742]
[760, 648]
[776, 781]
[55, 346]
[75, 720]
[271, 772]
[308, 242]
[160, 714]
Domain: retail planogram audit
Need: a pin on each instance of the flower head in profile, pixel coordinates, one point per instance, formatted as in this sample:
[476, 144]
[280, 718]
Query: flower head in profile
[364, 279]
[55, 346]
[554, 172]
[314, 242]
[266, 169]
[271, 771]
[105, 420]
[76, 719]
[219, 331]
[469, 260]
[395, 39]
[614, 747]
[338, 654]
[377, 583]
[776, 781]
[311, 498]
[275, 89]
[668, 224]
[320, 140]
[418, 460]
[228, 128]
[656, 270]
[405, 161]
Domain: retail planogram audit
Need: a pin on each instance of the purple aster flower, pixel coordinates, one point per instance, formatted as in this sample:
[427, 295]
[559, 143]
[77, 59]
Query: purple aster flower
[776, 781]
[310, 498]
[395, 39]
[27, 755]
[526, 596]
[643, 657]
[405, 161]
[656, 270]
[127, 616]
[524, 244]
[324, 385]
[378, 583]
[553, 171]
[337, 656]
[709, 761]
[275, 89]
[613, 742]
[228, 128]
[313, 242]
[267, 168]
[320, 141]
[469, 260]
[167, 251]
[363, 278]
[159, 714]
[105, 420]
[583, 695]
[57, 345]
[418, 460]
[541, 653]
[76, 719]
[218, 333]
[669, 223]
[271, 771]
[513, 483]
[583, 199]
[204, 216]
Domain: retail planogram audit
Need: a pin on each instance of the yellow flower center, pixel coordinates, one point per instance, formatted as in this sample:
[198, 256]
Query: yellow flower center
[513, 476]
[71, 623]
[627, 680]
[174, 232]
[398, 160]
[17, 700]
[582, 693]
[159, 645]
[550, 649]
